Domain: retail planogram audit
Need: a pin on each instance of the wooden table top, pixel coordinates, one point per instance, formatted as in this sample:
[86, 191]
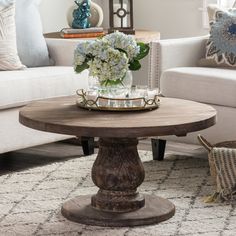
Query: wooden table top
[61, 115]
[145, 36]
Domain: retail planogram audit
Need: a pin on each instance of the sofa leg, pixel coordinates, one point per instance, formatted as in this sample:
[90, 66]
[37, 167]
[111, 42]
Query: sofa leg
[158, 149]
[87, 145]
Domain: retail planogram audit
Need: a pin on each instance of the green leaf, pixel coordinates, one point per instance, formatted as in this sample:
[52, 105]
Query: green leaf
[80, 68]
[134, 65]
[144, 50]
[121, 50]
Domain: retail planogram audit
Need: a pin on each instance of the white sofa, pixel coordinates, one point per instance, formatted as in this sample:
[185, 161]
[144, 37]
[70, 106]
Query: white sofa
[18, 88]
[177, 75]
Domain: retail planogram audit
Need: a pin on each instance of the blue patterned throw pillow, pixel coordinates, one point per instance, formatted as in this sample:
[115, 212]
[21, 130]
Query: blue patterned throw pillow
[221, 46]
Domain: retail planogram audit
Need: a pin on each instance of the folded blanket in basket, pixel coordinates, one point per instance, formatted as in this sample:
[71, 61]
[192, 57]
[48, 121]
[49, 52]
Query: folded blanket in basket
[222, 162]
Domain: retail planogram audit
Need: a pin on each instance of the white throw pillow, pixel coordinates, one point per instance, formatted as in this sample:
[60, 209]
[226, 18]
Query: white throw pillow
[9, 59]
[31, 45]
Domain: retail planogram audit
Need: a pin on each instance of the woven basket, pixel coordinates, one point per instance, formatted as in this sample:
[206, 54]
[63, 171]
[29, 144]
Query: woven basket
[222, 162]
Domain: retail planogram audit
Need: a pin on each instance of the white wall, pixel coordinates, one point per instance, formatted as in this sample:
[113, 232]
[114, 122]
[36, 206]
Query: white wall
[173, 18]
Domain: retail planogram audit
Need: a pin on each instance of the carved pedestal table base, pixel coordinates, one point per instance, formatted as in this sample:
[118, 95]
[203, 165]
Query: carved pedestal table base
[118, 171]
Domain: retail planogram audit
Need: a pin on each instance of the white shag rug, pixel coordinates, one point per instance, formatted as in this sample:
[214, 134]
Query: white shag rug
[30, 200]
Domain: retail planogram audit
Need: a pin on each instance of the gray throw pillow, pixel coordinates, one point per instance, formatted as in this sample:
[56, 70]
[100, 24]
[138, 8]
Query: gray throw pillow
[31, 45]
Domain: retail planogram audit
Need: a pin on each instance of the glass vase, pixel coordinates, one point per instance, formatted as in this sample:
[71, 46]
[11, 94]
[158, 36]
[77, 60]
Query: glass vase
[128, 80]
[112, 90]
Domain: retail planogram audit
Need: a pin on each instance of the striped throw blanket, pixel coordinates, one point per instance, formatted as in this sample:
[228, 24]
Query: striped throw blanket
[222, 161]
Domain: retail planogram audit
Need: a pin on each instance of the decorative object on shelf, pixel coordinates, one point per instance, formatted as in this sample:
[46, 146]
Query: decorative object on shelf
[81, 15]
[92, 32]
[95, 18]
[121, 16]
[133, 100]
[109, 58]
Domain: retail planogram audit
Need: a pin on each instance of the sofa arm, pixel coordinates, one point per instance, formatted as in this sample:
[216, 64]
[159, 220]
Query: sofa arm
[62, 50]
[166, 54]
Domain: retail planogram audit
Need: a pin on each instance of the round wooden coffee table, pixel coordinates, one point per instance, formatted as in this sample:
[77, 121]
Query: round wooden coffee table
[118, 170]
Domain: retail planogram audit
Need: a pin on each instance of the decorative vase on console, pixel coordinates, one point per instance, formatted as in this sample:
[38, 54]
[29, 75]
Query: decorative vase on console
[93, 13]
[110, 60]
[81, 15]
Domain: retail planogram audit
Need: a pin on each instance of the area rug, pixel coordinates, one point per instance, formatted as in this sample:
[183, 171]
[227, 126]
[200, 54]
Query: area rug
[30, 200]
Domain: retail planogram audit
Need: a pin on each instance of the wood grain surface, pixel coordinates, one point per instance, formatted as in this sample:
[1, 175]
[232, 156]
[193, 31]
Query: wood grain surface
[61, 115]
[145, 36]
[155, 210]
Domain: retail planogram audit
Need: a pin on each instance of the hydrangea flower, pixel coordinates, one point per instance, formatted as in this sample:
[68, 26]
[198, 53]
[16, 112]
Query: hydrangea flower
[113, 68]
[125, 42]
[110, 57]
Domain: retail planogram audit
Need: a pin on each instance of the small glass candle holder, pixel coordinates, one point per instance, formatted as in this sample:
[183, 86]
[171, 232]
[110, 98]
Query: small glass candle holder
[139, 93]
[152, 93]
[91, 95]
[102, 102]
[142, 90]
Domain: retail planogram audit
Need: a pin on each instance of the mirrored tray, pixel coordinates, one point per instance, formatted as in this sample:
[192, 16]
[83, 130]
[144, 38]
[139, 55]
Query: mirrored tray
[92, 101]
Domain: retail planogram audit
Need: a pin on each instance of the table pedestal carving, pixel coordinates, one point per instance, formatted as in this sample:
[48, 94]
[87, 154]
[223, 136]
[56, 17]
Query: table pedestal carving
[118, 171]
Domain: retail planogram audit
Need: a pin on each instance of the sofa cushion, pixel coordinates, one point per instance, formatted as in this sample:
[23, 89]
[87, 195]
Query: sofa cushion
[31, 44]
[18, 88]
[220, 48]
[207, 85]
[9, 59]
[15, 136]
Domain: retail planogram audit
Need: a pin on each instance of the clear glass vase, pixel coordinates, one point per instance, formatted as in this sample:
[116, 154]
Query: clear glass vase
[128, 80]
[119, 89]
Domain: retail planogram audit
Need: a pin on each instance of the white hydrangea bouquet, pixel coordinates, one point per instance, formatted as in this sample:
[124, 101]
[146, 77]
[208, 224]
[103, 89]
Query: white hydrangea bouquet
[110, 57]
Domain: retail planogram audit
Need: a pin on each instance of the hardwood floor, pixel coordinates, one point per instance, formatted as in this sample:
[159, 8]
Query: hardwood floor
[54, 152]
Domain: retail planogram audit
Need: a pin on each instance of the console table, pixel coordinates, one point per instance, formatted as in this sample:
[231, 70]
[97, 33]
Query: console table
[145, 36]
